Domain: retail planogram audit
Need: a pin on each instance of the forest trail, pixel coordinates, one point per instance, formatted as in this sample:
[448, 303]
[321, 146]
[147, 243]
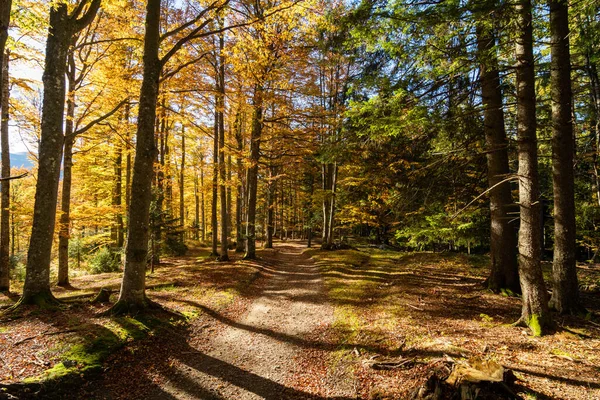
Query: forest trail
[268, 351]
[254, 357]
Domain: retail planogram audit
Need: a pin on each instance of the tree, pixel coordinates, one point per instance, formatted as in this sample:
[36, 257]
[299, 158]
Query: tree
[132, 296]
[5, 200]
[565, 293]
[503, 240]
[535, 303]
[63, 26]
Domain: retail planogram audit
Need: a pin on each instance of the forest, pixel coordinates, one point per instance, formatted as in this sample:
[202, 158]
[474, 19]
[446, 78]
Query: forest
[300, 199]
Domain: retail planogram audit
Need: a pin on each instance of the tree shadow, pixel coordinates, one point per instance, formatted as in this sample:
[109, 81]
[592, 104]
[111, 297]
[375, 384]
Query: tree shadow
[263, 387]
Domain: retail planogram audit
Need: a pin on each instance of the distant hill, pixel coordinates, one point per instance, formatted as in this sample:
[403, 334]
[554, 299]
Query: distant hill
[20, 160]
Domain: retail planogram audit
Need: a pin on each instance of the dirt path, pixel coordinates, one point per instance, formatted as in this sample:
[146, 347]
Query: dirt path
[264, 352]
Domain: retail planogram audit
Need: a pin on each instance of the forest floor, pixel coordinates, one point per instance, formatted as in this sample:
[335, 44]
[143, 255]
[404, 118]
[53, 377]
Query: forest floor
[296, 324]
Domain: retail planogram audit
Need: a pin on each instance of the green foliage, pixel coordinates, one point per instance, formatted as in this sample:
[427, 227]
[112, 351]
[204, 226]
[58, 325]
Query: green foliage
[17, 267]
[105, 260]
[174, 246]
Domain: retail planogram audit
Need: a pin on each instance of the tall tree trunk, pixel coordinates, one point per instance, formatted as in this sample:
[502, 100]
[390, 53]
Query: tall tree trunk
[535, 298]
[5, 201]
[252, 175]
[330, 225]
[202, 200]
[239, 202]
[215, 180]
[565, 293]
[197, 208]
[182, 186]
[132, 296]
[222, 167]
[326, 178]
[118, 188]
[60, 33]
[503, 242]
[270, 207]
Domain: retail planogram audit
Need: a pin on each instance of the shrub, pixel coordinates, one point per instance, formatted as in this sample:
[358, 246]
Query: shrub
[17, 268]
[173, 246]
[105, 260]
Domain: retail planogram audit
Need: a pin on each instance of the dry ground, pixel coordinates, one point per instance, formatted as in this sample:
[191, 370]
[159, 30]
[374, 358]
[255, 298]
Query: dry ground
[300, 324]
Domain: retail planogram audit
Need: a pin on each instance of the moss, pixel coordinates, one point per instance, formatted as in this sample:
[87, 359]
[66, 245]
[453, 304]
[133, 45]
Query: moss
[534, 323]
[506, 292]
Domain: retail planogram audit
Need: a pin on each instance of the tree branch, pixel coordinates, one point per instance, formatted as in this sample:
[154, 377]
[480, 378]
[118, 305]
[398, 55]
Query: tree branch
[100, 119]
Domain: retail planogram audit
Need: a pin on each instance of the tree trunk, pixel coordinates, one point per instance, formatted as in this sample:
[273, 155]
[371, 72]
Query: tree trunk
[252, 180]
[132, 296]
[182, 186]
[197, 208]
[5, 201]
[270, 207]
[535, 302]
[215, 180]
[222, 167]
[565, 293]
[503, 242]
[37, 280]
[202, 200]
[239, 203]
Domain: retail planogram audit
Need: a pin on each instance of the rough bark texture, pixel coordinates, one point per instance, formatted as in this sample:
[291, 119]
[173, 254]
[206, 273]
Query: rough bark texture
[252, 174]
[565, 293]
[535, 302]
[60, 33]
[65, 207]
[215, 185]
[503, 242]
[270, 208]
[5, 202]
[132, 296]
[222, 167]
[5, 8]
[182, 186]
[239, 203]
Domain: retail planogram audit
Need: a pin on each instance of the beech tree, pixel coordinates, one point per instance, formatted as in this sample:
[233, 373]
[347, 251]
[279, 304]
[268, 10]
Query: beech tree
[64, 25]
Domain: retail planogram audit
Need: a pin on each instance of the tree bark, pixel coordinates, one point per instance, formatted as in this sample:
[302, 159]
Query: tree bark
[252, 173]
[215, 179]
[222, 167]
[60, 33]
[197, 208]
[65, 208]
[182, 186]
[239, 203]
[503, 242]
[5, 201]
[132, 296]
[271, 188]
[535, 298]
[565, 293]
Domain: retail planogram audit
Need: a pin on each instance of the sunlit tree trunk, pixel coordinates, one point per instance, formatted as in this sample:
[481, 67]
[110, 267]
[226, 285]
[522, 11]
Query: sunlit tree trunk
[240, 198]
[222, 167]
[182, 186]
[565, 293]
[215, 179]
[132, 296]
[535, 298]
[62, 28]
[252, 173]
[5, 201]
